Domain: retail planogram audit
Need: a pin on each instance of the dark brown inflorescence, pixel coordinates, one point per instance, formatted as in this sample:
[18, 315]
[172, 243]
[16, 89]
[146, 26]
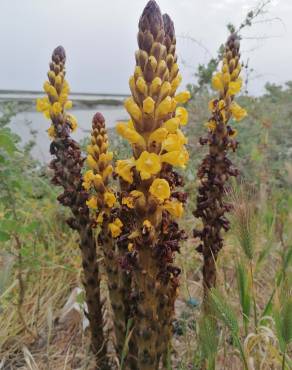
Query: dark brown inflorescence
[67, 166]
[216, 168]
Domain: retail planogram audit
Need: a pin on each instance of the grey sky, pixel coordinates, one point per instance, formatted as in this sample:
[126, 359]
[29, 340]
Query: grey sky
[100, 39]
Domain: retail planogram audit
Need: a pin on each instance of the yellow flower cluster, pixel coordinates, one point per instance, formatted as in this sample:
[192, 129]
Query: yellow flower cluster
[55, 104]
[96, 178]
[154, 128]
[228, 83]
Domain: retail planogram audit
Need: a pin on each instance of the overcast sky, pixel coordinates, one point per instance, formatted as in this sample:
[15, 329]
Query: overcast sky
[100, 40]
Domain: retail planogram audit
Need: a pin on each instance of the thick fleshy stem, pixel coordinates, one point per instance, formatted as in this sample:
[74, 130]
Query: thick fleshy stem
[216, 168]
[67, 167]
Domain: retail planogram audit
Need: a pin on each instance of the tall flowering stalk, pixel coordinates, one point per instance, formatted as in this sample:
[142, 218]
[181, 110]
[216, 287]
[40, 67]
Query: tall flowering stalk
[216, 168]
[148, 181]
[67, 166]
[102, 201]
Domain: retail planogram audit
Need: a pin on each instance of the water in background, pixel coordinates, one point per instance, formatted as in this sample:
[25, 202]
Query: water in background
[86, 105]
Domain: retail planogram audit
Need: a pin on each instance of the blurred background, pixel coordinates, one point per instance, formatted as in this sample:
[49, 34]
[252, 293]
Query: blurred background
[100, 41]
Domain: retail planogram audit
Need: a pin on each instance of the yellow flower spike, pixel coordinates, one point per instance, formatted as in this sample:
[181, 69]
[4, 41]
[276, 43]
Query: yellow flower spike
[109, 199]
[172, 124]
[183, 97]
[92, 203]
[51, 132]
[183, 115]
[116, 227]
[158, 135]
[160, 189]
[164, 107]
[133, 109]
[237, 111]
[142, 86]
[155, 85]
[217, 83]
[148, 105]
[175, 83]
[148, 164]
[92, 162]
[175, 208]
[68, 104]
[235, 87]
[124, 169]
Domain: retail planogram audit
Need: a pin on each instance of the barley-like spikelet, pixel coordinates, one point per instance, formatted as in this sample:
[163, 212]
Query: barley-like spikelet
[216, 168]
[67, 167]
[102, 201]
[148, 182]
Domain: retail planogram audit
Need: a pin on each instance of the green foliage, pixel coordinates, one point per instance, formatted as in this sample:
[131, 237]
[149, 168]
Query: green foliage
[244, 287]
[208, 340]
[283, 322]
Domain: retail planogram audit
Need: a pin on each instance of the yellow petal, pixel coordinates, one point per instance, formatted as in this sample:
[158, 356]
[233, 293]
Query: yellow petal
[183, 97]
[160, 189]
[183, 115]
[133, 109]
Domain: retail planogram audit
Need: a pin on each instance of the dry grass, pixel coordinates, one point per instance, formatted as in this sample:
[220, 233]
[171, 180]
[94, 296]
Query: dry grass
[64, 344]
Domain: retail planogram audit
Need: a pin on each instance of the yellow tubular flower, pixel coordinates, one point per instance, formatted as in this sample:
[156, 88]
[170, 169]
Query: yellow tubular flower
[124, 169]
[116, 228]
[160, 189]
[148, 164]
[237, 112]
[175, 208]
[55, 104]
[133, 109]
[183, 97]
[182, 114]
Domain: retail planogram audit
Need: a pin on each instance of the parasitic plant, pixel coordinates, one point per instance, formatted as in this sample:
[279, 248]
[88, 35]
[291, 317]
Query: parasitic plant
[148, 183]
[67, 166]
[216, 168]
[102, 201]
